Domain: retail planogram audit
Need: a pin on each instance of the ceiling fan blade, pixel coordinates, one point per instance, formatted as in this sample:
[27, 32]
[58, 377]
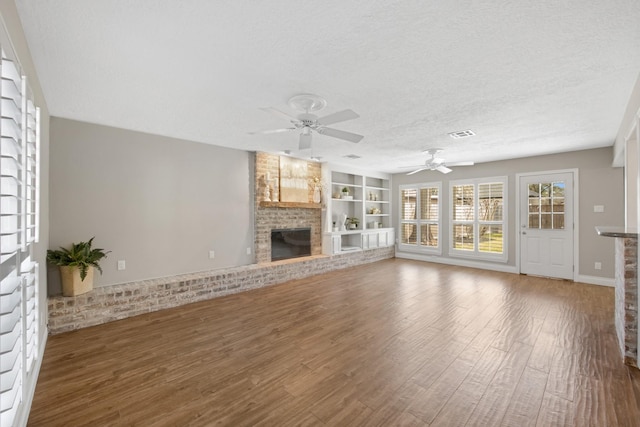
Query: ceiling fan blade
[267, 132]
[443, 169]
[418, 170]
[280, 114]
[305, 141]
[340, 116]
[341, 134]
[460, 164]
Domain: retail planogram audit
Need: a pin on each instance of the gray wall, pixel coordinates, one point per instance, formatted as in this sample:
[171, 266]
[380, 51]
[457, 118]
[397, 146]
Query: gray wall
[599, 184]
[158, 203]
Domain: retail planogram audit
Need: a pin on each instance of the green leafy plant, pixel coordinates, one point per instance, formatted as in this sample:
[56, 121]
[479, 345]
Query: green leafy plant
[81, 255]
[345, 190]
[353, 220]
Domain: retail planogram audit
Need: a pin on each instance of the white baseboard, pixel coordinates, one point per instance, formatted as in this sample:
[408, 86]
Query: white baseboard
[459, 262]
[592, 280]
[595, 280]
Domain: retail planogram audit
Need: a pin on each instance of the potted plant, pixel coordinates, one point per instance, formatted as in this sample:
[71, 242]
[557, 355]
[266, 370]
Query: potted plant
[76, 266]
[345, 191]
[353, 223]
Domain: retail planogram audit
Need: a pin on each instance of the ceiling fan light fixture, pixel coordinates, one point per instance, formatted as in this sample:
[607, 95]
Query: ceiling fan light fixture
[307, 102]
[461, 134]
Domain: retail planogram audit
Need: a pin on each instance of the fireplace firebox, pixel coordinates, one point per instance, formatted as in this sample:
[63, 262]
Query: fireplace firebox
[290, 243]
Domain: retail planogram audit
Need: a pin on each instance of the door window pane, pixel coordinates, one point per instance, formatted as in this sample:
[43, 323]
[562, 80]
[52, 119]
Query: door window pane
[558, 189]
[534, 220]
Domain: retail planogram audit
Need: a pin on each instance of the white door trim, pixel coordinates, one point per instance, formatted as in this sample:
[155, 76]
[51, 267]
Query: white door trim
[576, 210]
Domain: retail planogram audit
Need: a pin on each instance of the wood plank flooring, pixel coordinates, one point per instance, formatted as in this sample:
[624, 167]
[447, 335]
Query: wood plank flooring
[397, 342]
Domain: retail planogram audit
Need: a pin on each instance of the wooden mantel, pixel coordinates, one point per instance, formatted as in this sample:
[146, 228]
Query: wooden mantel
[264, 204]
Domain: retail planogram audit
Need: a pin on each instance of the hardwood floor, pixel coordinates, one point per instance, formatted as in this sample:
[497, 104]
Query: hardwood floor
[397, 342]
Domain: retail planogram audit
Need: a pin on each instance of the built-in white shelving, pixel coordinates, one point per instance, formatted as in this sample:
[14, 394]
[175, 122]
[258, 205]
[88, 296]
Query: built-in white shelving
[367, 198]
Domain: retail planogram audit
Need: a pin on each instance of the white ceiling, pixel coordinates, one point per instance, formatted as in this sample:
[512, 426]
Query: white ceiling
[527, 77]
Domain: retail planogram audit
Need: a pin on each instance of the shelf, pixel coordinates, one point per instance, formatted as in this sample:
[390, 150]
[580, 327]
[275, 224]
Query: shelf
[346, 232]
[346, 200]
[377, 201]
[343, 184]
[367, 187]
[300, 205]
[377, 215]
[358, 231]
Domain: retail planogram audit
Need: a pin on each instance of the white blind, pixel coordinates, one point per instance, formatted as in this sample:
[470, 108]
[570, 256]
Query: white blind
[19, 217]
[11, 345]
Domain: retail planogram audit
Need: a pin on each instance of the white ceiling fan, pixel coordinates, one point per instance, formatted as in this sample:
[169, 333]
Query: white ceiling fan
[436, 164]
[308, 122]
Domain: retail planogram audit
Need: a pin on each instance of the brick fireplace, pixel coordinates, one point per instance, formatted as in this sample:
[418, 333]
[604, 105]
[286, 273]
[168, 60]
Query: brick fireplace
[276, 215]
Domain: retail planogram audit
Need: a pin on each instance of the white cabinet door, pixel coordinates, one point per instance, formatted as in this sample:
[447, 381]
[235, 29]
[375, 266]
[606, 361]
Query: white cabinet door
[382, 239]
[370, 240]
[365, 241]
[374, 240]
[386, 238]
[336, 244]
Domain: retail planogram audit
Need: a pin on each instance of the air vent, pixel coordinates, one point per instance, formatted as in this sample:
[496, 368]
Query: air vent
[461, 134]
[352, 156]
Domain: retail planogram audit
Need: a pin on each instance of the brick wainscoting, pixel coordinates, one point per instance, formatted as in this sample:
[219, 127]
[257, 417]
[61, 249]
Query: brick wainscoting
[109, 303]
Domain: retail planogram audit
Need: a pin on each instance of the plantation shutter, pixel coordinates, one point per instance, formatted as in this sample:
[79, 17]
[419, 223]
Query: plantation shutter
[19, 218]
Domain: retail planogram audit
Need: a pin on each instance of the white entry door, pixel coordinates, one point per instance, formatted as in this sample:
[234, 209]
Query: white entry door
[546, 225]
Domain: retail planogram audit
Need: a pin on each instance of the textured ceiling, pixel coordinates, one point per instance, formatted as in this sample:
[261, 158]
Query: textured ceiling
[527, 77]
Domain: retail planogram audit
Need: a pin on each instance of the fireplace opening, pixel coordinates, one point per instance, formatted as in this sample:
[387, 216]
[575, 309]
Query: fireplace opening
[290, 243]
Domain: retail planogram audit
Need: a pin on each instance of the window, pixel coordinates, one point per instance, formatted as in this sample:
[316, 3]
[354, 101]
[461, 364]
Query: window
[478, 218]
[546, 205]
[19, 219]
[420, 217]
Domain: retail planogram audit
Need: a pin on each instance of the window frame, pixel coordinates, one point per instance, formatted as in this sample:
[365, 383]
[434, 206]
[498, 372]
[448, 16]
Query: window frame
[478, 223]
[418, 222]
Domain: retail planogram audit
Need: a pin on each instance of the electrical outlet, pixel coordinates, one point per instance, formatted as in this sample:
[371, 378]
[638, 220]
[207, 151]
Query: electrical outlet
[212, 254]
[248, 251]
[598, 208]
[121, 265]
[598, 266]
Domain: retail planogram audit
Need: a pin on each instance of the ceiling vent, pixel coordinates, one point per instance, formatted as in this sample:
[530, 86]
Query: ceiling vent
[461, 134]
[352, 156]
